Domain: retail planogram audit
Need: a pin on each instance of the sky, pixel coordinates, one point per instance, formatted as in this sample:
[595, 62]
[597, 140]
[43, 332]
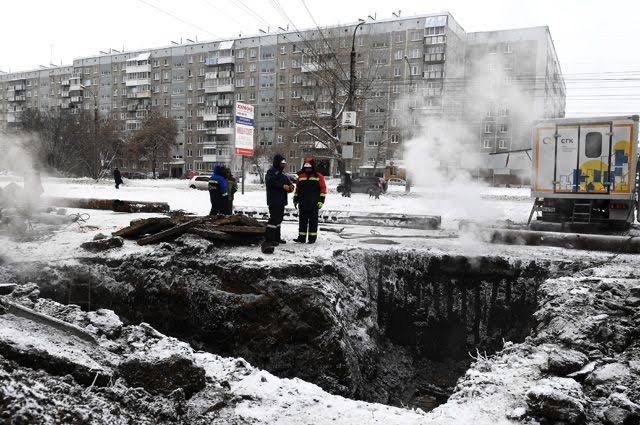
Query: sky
[598, 42]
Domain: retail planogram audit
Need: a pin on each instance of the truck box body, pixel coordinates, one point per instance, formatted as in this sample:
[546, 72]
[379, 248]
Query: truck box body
[587, 163]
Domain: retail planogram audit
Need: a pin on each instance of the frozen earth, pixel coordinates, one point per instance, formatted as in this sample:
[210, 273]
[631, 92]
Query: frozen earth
[569, 319]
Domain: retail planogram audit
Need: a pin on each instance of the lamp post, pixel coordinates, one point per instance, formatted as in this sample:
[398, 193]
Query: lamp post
[352, 67]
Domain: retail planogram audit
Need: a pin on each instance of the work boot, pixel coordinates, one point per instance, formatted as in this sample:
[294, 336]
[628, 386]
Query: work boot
[279, 239]
[312, 239]
[302, 238]
[267, 248]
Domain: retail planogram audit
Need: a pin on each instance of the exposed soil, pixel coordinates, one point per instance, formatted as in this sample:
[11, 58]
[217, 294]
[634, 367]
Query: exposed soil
[392, 327]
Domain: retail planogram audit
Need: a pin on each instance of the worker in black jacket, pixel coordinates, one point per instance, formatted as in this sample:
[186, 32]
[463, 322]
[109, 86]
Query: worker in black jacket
[310, 195]
[278, 187]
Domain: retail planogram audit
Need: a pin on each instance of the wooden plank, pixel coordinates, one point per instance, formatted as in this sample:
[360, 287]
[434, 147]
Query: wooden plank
[212, 235]
[248, 230]
[174, 231]
[139, 227]
[108, 204]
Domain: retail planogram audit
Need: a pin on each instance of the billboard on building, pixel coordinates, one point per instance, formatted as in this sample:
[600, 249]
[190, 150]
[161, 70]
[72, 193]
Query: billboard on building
[244, 129]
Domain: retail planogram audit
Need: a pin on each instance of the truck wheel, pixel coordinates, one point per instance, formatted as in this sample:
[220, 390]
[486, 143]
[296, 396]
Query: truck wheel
[193, 186]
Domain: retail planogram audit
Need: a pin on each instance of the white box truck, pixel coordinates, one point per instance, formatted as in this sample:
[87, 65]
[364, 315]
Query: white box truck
[584, 170]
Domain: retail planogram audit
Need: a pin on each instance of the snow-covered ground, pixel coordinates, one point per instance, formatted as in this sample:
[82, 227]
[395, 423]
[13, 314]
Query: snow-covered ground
[478, 203]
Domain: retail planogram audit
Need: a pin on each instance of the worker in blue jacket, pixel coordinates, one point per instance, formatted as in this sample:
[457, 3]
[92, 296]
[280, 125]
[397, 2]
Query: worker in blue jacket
[218, 191]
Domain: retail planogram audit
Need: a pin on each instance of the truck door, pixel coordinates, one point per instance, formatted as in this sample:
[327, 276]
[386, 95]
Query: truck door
[566, 176]
[594, 158]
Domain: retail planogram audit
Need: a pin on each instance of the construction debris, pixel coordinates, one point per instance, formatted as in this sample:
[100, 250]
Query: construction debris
[98, 245]
[233, 229]
[116, 205]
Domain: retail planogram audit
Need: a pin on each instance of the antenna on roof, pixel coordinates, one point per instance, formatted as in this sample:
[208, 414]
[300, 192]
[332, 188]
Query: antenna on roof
[190, 40]
[105, 53]
[42, 66]
[114, 50]
[173, 42]
[373, 18]
[396, 15]
[262, 31]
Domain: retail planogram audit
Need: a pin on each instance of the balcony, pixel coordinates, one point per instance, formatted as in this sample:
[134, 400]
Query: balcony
[64, 94]
[308, 98]
[224, 130]
[219, 61]
[434, 57]
[138, 82]
[222, 117]
[210, 130]
[310, 67]
[225, 102]
[209, 158]
[76, 99]
[75, 87]
[64, 82]
[130, 69]
[14, 118]
[17, 87]
[209, 116]
[222, 88]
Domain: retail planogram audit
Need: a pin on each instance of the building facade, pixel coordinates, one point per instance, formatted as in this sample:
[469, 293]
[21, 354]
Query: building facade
[406, 69]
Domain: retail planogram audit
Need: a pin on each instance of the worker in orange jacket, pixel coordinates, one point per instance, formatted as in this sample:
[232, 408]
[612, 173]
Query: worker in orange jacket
[309, 198]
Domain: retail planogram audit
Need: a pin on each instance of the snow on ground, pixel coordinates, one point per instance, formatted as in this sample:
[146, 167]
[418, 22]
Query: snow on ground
[480, 203]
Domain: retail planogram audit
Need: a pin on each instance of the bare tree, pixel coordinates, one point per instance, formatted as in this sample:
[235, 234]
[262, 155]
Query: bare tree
[74, 144]
[317, 116]
[154, 139]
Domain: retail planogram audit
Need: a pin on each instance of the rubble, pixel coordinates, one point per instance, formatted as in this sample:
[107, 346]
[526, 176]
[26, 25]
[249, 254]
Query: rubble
[557, 399]
[236, 229]
[98, 245]
[115, 205]
[563, 362]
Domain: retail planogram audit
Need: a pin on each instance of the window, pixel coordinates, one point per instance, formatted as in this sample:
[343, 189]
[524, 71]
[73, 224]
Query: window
[416, 53]
[283, 64]
[252, 67]
[239, 68]
[493, 49]
[507, 48]
[397, 72]
[415, 69]
[283, 50]
[486, 143]
[488, 128]
[395, 138]
[502, 144]
[240, 54]
[252, 53]
[398, 55]
[398, 37]
[416, 36]
[593, 145]
[504, 128]
[280, 139]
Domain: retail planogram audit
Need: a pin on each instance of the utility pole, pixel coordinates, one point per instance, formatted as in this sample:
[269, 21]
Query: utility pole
[348, 134]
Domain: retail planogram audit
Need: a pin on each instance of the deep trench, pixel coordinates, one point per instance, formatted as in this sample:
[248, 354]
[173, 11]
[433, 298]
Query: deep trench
[392, 327]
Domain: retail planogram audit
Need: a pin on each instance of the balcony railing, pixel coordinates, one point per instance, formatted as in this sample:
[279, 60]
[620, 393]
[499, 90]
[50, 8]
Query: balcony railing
[222, 88]
[143, 94]
[76, 99]
[138, 68]
[224, 130]
[138, 82]
[75, 87]
[209, 116]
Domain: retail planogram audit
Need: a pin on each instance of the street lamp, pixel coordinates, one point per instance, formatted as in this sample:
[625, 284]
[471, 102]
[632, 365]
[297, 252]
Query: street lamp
[352, 67]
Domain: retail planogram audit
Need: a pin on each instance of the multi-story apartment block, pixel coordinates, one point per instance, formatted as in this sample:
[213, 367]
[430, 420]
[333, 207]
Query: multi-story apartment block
[406, 69]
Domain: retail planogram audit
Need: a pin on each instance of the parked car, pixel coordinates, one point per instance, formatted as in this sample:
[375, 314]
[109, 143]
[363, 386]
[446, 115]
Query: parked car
[136, 175]
[363, 184]
[396, 182]
[199, 182]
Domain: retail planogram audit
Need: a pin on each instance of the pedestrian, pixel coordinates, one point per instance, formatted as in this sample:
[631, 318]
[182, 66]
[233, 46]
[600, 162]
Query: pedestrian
[218, 191]
[117, 177]
[232, 188]
[278, 187]
[310, 195]
[346, 191]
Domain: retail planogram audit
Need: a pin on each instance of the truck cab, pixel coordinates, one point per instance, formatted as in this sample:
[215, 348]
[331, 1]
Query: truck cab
[584, 171]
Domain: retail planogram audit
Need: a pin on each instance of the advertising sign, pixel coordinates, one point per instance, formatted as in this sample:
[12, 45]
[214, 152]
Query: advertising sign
[244, 129]
[349, 119]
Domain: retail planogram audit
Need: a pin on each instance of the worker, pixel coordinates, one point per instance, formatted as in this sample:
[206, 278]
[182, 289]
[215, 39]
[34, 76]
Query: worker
[218, 191]
[346, 191]
[278, 186]
[117, 177]
[232, 188]
[310, 196]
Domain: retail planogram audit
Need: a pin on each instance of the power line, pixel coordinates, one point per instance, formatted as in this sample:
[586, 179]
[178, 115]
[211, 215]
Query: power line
[178, 18]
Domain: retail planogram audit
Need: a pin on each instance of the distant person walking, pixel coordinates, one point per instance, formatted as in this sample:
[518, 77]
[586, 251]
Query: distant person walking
[117, 177]
[278, 187]
[218, 191]
[232, 188]
[346, 191]
[310, 195]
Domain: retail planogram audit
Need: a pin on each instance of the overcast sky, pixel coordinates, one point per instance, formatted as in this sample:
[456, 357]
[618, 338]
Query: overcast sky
[598, 42]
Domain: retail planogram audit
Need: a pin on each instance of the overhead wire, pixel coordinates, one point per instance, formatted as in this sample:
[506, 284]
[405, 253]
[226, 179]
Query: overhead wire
[184, 21]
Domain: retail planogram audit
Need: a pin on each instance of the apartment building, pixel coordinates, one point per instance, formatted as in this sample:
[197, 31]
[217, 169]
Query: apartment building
[406, 68]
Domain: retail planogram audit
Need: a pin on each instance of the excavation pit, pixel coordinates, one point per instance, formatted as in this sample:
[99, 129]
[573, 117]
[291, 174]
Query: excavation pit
[393, 327]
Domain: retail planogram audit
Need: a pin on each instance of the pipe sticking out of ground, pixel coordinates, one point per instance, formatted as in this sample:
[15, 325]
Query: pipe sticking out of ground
[615, 244]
